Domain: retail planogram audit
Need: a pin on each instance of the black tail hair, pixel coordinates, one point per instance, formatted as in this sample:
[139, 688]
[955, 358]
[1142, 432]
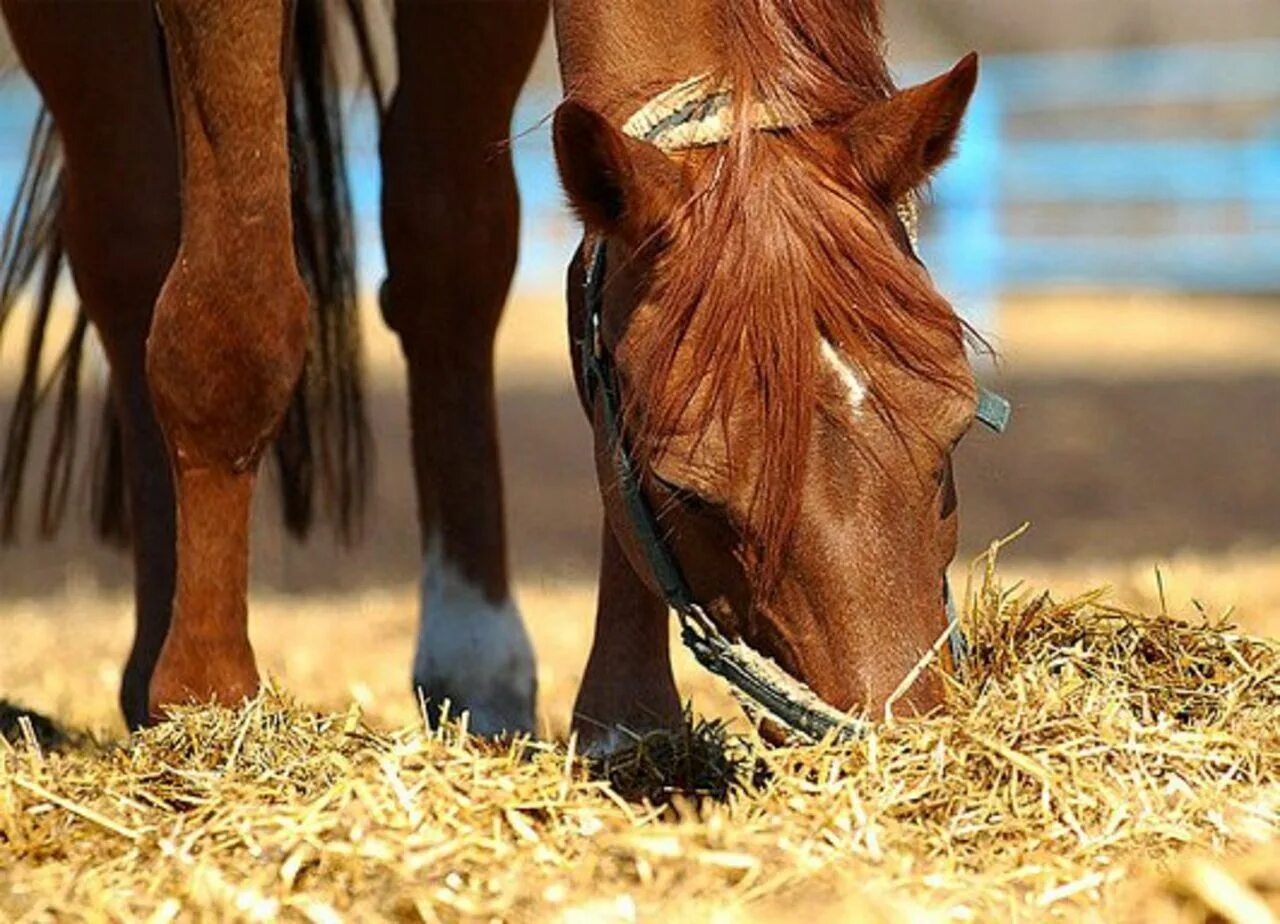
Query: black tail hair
[325, 439]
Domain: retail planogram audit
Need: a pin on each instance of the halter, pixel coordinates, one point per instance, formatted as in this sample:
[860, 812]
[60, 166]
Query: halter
[699, 116]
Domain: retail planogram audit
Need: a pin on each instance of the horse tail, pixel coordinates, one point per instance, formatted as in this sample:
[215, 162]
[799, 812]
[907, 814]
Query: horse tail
[324, 444]
[326, 433]
[31, 255]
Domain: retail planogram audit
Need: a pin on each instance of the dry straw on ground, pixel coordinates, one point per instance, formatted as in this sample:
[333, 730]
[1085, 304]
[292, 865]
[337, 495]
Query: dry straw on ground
[1095, 764]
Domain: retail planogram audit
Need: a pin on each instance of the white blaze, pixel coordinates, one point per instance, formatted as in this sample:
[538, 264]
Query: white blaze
[472, 651]
[848, 375]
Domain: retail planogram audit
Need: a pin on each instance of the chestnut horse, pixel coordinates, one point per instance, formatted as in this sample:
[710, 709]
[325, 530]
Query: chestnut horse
[782, 371]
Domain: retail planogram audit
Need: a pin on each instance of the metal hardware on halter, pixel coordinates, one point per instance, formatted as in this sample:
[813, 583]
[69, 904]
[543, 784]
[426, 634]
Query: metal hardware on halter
[754, 677]
[993, 410]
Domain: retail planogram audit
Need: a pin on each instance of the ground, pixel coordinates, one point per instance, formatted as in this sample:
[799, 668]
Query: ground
[1144, 441]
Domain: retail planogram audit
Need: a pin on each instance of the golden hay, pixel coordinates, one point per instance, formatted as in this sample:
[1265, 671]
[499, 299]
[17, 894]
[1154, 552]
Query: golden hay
[1095, 763]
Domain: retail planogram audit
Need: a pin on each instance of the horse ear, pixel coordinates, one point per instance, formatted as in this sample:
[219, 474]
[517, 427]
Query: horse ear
[615, 183]
[901, 141]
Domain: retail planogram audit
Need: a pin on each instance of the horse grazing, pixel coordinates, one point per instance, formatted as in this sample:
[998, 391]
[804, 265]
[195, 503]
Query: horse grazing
[791, 383]
[774, 383]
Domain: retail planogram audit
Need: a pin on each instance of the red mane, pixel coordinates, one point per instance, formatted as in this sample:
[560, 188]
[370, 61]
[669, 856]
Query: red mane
[779, 247]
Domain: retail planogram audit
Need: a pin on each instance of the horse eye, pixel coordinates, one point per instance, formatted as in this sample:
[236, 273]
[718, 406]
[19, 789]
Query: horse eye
[686, 497]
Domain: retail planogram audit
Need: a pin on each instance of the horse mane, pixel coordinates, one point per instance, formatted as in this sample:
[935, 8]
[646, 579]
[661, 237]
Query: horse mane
[779, 247]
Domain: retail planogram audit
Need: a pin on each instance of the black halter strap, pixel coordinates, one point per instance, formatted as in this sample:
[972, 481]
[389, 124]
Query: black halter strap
[784, 698]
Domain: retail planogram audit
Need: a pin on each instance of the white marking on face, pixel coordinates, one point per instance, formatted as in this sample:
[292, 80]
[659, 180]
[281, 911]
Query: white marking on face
[847, 373]
[472, 651]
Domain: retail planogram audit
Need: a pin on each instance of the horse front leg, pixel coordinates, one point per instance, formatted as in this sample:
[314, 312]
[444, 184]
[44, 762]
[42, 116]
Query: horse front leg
[450, 226]
[628, 682]
[99, 71]
[229, 335]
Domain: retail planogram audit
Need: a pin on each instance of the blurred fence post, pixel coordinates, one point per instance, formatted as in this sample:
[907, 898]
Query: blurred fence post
[967, 242]
[1265, 214]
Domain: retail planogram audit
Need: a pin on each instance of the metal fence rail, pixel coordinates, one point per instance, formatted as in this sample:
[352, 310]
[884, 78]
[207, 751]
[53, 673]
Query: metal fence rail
[1214, 191]
[1065, 138]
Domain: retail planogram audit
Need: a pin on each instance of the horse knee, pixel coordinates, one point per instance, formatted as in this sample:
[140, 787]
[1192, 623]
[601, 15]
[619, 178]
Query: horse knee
[228, 339]
[226, 350]
[450, 224]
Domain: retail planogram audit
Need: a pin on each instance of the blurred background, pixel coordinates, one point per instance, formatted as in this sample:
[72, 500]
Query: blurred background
[1111, 224]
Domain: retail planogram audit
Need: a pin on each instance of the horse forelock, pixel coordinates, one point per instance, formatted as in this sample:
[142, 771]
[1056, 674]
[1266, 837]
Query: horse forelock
[776, 252]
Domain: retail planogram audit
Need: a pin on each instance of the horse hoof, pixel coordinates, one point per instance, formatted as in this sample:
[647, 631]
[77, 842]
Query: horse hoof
[484, 669]
[473, 653]
[478, 661]
[499, 711]
[135, 696]
[43, 730]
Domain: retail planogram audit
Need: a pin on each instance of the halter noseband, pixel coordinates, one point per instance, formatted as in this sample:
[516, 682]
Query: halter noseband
[693, 114]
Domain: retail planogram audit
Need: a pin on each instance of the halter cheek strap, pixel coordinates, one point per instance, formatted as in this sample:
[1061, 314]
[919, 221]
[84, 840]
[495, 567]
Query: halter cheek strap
[759, 681]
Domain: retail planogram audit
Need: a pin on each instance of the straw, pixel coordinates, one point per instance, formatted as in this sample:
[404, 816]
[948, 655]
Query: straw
[1094, 762]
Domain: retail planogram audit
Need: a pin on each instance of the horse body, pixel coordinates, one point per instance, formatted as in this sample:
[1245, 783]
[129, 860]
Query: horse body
[793, 383]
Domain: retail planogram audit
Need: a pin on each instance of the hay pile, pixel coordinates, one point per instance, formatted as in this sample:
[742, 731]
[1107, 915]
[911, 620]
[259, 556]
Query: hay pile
[1096, 763]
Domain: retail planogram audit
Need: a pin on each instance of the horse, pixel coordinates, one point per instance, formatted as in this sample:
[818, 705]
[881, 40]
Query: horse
[774, 384]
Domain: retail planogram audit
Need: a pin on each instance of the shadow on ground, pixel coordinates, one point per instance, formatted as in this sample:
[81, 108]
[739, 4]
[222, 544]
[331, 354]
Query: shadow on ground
[1102, 469]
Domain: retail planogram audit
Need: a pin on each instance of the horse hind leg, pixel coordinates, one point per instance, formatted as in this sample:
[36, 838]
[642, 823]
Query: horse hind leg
[228, 339]
[98, 68]
[450, 226]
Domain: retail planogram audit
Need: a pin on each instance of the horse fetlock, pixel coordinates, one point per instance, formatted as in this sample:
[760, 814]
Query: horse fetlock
[196, 670]
[610, 712]
[473, 653]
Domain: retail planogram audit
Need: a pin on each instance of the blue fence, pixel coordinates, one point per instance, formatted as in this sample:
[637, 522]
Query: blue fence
[1060, 152]
[1184, 139]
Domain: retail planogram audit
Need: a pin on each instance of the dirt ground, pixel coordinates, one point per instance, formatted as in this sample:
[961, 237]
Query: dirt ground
[1145, 436]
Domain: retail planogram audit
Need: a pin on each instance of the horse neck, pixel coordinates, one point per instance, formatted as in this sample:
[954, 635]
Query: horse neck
[616, 54]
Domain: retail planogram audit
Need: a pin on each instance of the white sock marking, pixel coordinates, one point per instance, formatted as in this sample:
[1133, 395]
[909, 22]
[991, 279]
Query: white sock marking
[472, 651]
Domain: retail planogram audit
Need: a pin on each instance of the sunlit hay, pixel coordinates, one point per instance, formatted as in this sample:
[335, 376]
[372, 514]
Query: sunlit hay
[1206, 890]
[1094, 763]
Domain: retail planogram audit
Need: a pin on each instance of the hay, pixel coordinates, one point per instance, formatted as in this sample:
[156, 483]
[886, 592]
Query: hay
[1095, 763]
